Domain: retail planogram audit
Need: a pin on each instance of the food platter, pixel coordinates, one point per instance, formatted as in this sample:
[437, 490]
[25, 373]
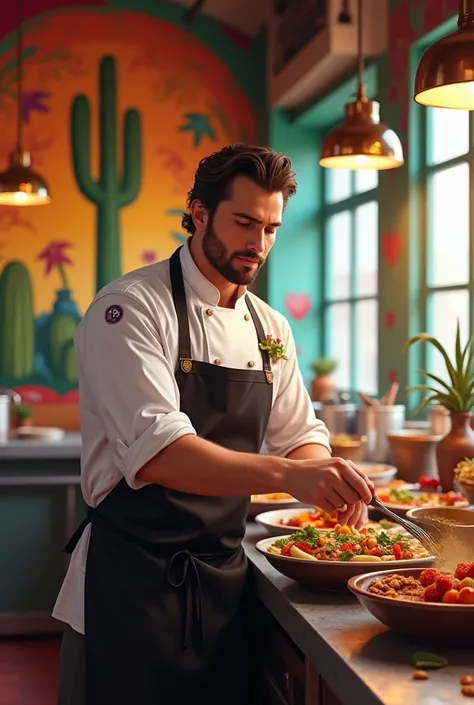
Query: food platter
[263, 502]
[279, 521]
[432, 621]
[401, 499]
[333, 574]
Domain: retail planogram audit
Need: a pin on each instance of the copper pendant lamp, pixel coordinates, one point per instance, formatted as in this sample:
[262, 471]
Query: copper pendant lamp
[19, 185]
[361, 141]
[445, 74]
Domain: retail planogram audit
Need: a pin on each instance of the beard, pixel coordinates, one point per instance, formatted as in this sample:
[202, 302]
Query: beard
[218, 256]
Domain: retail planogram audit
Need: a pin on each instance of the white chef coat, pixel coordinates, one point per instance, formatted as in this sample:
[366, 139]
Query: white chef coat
[128, 396]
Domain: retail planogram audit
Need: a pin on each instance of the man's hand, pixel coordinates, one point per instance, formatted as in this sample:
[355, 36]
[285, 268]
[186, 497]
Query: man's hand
[333, 484]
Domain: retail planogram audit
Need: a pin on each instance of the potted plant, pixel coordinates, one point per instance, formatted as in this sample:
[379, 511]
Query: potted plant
[457, 396]
[323, 385]
[23, 416]
[464, 474]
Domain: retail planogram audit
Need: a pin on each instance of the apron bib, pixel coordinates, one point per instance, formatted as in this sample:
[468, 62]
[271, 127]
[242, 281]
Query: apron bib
[167, 596]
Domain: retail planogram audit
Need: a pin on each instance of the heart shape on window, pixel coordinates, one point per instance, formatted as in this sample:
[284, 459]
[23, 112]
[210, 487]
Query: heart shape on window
[391, 248]
[298, 305]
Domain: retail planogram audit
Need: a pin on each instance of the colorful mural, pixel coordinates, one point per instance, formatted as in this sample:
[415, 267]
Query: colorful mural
[119, 107]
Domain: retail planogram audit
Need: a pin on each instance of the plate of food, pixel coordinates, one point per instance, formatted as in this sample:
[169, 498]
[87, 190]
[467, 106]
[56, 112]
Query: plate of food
[379, 473]
[278, 521]
[262, 502]
[427, 604]
[401, 499]
[328, 559]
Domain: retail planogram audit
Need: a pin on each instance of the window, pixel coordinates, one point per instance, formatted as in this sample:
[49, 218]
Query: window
[448, 280]
[350, 286]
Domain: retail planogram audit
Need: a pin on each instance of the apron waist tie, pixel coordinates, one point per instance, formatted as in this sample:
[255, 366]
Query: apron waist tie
[183, 572]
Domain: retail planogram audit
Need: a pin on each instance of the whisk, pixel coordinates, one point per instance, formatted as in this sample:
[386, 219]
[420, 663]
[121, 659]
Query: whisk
[423, 536]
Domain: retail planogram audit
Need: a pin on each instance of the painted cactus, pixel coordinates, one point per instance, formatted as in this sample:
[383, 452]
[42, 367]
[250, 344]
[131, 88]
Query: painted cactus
[17, 326]
[62, 328]
[69, 363]
[114, 189]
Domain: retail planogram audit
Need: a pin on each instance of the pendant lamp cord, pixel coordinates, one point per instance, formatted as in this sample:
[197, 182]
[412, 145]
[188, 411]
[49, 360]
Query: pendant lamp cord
[360, 55]
[19, 59]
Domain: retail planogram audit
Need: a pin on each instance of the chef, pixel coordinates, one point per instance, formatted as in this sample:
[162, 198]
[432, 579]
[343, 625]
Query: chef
[183, 376]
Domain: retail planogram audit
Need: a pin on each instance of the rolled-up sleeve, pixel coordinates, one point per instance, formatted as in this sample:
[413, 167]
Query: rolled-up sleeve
[292, 421]
[129, 381]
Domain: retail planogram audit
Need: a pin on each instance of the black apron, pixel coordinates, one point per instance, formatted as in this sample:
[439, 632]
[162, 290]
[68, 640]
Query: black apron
[166, 586]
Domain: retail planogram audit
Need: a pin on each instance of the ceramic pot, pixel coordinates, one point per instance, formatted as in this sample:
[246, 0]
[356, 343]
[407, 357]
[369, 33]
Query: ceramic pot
[457, 445]
[323, 388]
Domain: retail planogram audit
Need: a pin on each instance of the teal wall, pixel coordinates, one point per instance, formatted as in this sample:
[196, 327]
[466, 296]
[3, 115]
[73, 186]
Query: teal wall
[296, 261]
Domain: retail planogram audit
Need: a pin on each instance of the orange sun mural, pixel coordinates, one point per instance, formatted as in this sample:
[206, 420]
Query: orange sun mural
[119, 108]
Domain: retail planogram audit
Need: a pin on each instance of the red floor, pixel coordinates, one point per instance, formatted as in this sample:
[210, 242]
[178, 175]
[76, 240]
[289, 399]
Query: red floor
[29, 671]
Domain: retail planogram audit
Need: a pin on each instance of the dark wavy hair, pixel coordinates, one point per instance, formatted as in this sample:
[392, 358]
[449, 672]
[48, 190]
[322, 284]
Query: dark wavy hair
[214, 176]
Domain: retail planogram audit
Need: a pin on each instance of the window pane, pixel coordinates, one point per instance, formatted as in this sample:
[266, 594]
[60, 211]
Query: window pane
[445, 308]
[339, 184]
[339, 249]
[367, 227]
[367, 346]
[449, 134]
[339, 331]
[448, 226]
[365, 180]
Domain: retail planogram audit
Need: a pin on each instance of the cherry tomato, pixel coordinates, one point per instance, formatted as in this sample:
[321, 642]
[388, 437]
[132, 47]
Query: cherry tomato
[397, 551]
[427, 482]
[466, 596]
[304, 546]
[451, 597]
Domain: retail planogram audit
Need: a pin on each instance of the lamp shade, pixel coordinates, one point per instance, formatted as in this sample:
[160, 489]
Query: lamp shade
[20, 186]
[361, 141]
[445, 74]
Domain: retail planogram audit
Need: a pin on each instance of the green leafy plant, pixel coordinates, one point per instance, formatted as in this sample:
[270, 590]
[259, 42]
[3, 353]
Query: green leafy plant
[457, 395]
[324, 366]
[275, 347]
[23, 412]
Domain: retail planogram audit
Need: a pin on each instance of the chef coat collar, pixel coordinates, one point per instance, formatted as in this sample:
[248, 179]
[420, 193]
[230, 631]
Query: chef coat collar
[201, 285]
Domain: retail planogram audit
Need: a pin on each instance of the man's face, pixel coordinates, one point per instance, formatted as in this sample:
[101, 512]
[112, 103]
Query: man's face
[239, 237]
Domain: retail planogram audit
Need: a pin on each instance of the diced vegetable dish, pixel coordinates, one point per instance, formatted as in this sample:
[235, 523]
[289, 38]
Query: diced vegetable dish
[406, 498]
[346, 544]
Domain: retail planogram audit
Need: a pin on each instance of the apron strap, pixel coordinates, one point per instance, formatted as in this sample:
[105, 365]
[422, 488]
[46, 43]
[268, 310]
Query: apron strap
[183, 572]
[261, 337]
[179, 300]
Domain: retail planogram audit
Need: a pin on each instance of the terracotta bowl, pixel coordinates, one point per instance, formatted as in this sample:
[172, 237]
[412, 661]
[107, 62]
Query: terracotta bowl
[413, 451]
[460, 531]
[327, 575]
[444, 624]
[348, 446]
[467, 488]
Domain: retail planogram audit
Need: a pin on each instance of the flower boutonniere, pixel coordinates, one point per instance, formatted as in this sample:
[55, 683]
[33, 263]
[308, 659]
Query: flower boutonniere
[275, 348]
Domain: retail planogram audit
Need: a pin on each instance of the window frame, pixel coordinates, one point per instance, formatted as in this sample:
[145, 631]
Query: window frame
[328, 210]
[425, 228]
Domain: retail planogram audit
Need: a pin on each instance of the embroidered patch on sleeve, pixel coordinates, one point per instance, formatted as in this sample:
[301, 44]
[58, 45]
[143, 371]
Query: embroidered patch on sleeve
[114, 314]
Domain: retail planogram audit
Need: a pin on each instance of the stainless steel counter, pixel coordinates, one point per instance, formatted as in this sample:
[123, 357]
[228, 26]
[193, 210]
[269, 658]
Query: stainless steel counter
[68, 448]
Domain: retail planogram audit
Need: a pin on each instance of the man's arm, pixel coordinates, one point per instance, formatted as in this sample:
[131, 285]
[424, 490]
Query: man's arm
[133, 391]
[308, 451]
